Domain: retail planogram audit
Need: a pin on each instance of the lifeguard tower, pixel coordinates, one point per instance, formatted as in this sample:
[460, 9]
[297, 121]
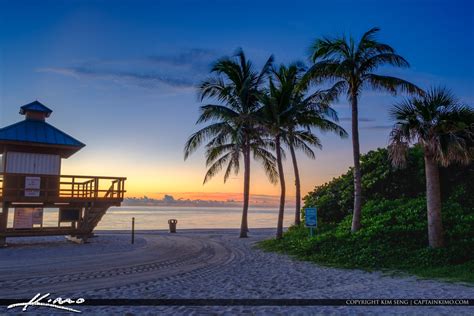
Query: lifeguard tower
[31, 180]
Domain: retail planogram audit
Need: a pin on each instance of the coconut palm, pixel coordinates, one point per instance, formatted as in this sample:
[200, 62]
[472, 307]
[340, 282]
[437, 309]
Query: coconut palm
[350, 66]
[311, 114]
[232, 134]
[288, 118]
[444, 128]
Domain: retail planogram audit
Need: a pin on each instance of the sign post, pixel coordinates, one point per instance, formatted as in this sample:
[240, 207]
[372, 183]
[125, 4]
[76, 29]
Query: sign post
[133, 230]
[311, 218]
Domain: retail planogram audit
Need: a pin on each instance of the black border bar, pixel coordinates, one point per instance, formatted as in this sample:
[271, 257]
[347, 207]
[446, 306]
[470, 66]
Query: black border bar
[262, 302]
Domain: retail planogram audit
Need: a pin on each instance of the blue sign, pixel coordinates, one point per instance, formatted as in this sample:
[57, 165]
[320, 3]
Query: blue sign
[311, 217]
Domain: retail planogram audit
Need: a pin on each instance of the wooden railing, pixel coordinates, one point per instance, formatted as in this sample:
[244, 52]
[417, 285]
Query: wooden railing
[12, 186]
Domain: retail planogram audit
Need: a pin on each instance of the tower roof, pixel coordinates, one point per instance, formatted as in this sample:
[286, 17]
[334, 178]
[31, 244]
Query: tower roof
[36, 134]
[35, 106]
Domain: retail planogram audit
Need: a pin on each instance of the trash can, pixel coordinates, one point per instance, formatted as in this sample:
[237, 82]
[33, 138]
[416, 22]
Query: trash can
[172, 223]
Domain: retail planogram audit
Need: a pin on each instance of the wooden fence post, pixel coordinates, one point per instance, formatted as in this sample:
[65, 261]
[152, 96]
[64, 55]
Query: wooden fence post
[133, 230]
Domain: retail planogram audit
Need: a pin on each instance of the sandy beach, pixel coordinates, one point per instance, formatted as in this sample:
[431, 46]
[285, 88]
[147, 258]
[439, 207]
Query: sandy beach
[198, 264]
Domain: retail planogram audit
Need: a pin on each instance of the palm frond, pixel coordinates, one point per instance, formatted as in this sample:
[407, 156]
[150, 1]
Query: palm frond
[301, 139]
[382, 60]
[214, 152]
[216, 112]
[268, 162]
[330, 126]
[369, 36]
[335, 91]
[238, 87]
[438, 122]
[391, 84]
[398, 147]
[196, 139]
[213, 87]
[216, 166]
[329, 48]
[325, 70]
[348, 64]
[230, 69]
[265, 69]
[233, 165]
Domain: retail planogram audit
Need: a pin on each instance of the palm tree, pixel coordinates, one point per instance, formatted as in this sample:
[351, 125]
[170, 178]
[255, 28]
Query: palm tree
[351, 67]
[288, 117]
[232, 133]
[444, 128]
[312, 112]
[309, 112]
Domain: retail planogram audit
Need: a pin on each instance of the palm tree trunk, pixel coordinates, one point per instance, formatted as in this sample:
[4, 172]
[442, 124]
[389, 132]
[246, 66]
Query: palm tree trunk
[433, 201]
[244, 223]
[297, 185]
[281, 211]
[357, 175]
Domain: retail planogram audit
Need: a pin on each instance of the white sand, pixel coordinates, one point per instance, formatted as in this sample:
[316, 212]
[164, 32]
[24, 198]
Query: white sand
[199, 264]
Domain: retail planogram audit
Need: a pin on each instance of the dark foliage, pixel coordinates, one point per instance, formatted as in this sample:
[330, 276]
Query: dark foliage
[381, 180]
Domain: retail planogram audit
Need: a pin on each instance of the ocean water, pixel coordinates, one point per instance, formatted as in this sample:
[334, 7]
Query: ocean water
[156, 217]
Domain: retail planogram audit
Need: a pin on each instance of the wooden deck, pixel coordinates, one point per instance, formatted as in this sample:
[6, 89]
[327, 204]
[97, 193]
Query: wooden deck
[92, 195]
[56, 190]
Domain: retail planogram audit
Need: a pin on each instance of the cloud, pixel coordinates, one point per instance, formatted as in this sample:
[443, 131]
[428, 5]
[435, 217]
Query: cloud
[182, 70]
[195, 57]
[378, 127]
[148, 80]
[222, 197]
[361, 119]
[59, 70]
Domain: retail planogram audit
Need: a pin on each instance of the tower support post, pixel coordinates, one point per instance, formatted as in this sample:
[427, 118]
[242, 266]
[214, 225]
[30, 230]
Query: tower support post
[3, 224]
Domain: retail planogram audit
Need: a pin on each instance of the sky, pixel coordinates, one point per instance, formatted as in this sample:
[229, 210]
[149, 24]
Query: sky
[120, 76]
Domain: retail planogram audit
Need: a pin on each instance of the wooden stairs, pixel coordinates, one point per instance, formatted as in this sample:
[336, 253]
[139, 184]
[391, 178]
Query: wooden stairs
[92, 217]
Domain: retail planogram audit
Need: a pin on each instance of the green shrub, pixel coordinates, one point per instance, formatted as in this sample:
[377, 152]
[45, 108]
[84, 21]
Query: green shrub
[394, 221]
[380, 180]
[393, 236]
